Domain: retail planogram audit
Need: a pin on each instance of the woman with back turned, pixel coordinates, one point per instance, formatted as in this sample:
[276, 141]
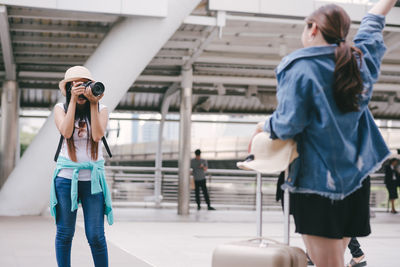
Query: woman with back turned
[323, 94]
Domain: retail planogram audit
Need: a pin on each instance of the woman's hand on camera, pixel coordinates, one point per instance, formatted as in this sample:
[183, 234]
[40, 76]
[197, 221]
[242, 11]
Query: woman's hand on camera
[77, 90]
[89, 95]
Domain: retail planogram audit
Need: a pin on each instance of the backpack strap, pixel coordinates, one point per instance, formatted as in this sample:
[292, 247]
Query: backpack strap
[104, 138]
[59, 147]
[60, 142]
[106, 146]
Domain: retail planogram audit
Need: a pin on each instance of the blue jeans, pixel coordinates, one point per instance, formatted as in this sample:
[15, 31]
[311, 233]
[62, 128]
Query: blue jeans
[93, 211]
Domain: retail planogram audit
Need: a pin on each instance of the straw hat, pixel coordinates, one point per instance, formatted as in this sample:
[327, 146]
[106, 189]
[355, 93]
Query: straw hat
[269, 156]
[72, 74]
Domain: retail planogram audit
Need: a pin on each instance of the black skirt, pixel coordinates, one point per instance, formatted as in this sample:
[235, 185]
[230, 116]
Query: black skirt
[392, 190]
[321, 216]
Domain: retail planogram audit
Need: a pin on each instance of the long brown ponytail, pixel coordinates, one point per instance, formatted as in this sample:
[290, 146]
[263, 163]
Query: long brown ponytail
[334, 24]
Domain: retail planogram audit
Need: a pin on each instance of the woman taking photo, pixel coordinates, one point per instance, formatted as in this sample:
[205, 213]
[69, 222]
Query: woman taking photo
[79, 174]
[323, 94]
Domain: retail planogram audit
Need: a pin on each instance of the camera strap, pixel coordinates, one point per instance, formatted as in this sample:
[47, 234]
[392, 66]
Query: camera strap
[106, 146]
[60, 142]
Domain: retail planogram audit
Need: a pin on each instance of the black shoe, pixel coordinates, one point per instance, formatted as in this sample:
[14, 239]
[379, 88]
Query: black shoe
[198, 208]
[210, 208]
[309, 261]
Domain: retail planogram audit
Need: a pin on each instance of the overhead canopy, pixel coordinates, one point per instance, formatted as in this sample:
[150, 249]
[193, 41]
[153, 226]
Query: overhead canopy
[232, 74]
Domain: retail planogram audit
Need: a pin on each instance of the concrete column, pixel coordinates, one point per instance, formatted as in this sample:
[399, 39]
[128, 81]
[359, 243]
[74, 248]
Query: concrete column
[120, 58]
[184, 142]
[158, 163]
[9, 129]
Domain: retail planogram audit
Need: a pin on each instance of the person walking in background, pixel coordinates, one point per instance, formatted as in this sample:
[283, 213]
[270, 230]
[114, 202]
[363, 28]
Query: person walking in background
[357, 254]
[392, 181]
[199, 167]
[323, 94]
[79, 174]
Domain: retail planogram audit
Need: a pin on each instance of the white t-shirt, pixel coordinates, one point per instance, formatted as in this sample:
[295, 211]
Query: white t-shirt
[82, 147]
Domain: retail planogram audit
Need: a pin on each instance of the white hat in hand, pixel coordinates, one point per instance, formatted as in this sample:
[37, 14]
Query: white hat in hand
[269, 156]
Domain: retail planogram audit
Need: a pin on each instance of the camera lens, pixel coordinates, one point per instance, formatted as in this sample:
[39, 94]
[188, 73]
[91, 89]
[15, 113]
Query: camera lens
[97, 88]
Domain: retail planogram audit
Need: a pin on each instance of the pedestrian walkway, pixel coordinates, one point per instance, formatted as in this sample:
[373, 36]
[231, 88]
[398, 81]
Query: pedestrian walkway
[28, 241]
[159, 237]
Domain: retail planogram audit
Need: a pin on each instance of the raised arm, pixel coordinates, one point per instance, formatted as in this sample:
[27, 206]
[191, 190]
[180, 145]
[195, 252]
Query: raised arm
[65, 121]
[369, 38]
[98, 119]
[382, 7]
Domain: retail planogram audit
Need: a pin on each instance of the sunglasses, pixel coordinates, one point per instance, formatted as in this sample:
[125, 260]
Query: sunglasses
[81, 127]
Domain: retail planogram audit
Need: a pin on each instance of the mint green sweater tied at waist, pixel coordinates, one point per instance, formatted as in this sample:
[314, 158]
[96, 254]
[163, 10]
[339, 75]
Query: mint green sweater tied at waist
[98, 183]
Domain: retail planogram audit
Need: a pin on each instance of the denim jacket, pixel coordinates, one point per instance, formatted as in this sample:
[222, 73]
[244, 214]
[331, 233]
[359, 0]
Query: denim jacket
[337, 151]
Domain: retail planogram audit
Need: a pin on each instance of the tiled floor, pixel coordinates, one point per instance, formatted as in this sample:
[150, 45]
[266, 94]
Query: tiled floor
[150, 237]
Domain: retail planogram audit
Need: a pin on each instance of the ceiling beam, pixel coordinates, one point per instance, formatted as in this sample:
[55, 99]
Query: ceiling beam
[36, 39]
[53, 50]
[41, 75]
[58, 28]
[219, 58]
[56, 60]
[239, 71]
[148, 8]
[186, 34]
[180, 44]
[6, 46]
[213, 32]
[201, 20]
[234, 80]
[26, 84]
[244, 49]
[236, 60]
[42, 88]
[162, 61]
[173, 53]
[264, 39]
[265, 19]
[211, 79]
[207, 79]
[292, 20]
[59, 15]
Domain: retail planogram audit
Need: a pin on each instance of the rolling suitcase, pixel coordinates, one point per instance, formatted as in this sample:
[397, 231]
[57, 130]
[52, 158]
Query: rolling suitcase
[261, 252]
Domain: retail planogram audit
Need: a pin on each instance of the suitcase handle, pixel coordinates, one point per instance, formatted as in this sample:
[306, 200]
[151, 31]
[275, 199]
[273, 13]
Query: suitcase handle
[262, 243]
[286, 210]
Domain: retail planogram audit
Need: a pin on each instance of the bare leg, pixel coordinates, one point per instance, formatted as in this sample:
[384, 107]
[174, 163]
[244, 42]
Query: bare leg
[346, 241]
[393, 209]
[326, 252]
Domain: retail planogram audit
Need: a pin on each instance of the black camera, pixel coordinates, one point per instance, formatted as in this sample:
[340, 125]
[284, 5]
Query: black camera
[97, 87]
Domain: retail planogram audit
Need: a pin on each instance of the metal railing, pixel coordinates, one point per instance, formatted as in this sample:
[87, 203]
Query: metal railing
[229, 189]
[215, 148]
